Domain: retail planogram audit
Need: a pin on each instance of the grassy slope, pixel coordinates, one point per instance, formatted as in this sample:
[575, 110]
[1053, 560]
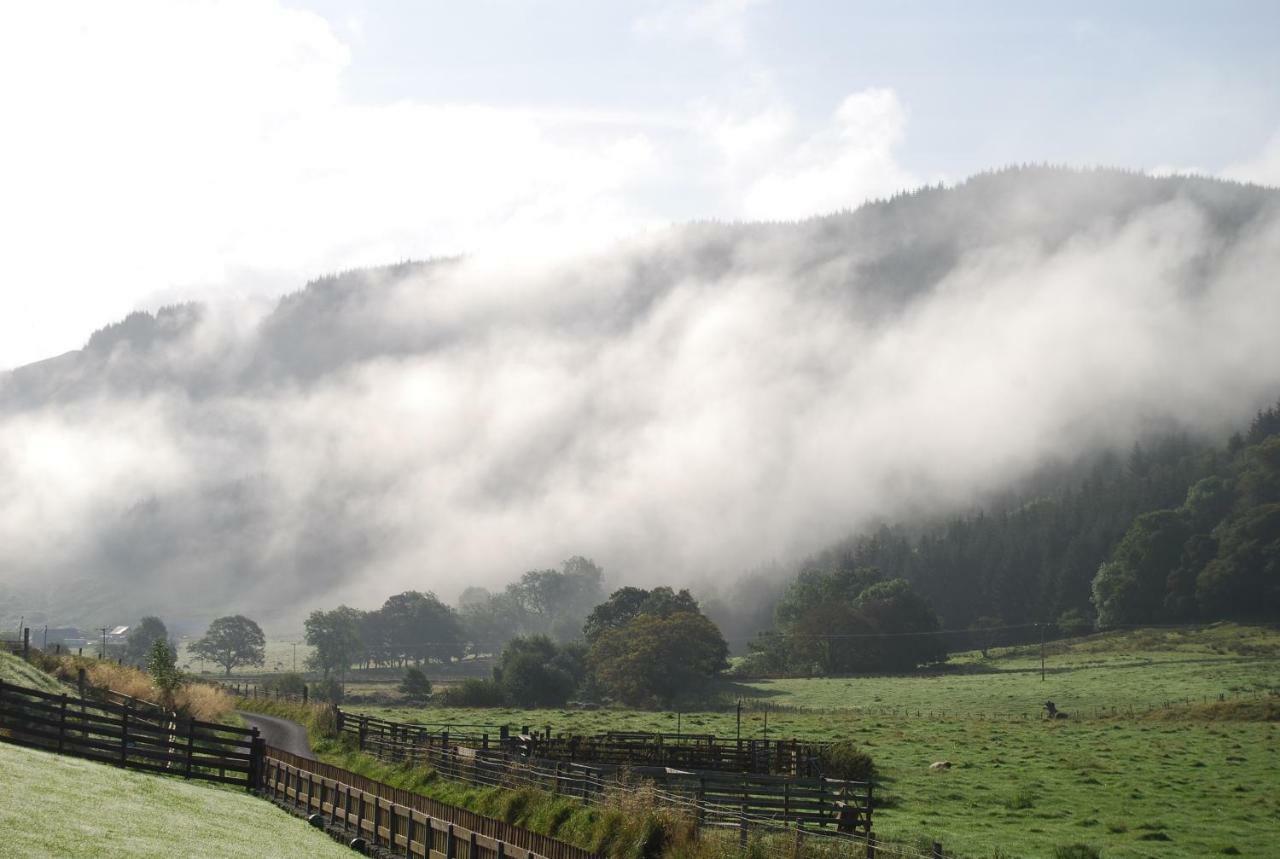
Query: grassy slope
[14, 670]
[58, 806]
[1022, 784]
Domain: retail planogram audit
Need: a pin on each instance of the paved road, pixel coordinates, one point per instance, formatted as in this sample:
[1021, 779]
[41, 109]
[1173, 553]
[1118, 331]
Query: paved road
[281, 733]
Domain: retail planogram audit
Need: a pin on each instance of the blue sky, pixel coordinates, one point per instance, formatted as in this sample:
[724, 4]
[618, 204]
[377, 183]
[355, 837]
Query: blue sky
[166, 151]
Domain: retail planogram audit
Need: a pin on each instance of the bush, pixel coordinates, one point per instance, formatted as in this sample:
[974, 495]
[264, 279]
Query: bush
[291, 683]
[328, 690]
[415, 686]
[844, 760]
[472, 692]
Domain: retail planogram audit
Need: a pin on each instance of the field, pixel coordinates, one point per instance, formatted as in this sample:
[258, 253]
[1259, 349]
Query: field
[1151, 764]
[56, 806]
[279, 658]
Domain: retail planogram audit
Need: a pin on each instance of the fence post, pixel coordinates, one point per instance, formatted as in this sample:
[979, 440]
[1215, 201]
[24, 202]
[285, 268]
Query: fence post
[257, 757]
[937, 850]
[451, 846]
[871, 845]
[62, 724]
[742, 833]
[191, 740]
[870, 806]
[80, 682]
[124, 734]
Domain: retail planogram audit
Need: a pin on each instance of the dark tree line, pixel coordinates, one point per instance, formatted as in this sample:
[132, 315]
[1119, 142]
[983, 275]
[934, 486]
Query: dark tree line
[415, 627]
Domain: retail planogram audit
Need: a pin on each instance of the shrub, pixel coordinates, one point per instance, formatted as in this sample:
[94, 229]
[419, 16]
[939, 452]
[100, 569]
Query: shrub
[328, 690]
[845, 760]
[290, 683]
[472, 692]
[415, 686]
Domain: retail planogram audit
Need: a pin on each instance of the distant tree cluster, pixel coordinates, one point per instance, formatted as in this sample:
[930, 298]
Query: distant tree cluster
[849, 619]
[1217, 555]
[414, 627]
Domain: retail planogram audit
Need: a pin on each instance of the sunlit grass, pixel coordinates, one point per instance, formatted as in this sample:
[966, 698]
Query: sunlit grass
[59, 806]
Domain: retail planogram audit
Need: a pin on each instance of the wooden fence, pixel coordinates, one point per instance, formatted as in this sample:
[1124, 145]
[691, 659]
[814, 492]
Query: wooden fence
[619, 749]
[713, 797]
[145, 738]
[401, 821]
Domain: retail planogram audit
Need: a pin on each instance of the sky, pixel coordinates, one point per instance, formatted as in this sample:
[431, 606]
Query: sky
[157, 152]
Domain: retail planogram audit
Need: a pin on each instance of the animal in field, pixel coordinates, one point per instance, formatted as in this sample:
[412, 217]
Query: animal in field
[1053, 711]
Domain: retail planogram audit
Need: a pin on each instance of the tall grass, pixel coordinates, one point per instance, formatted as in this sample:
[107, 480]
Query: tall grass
[197, 700]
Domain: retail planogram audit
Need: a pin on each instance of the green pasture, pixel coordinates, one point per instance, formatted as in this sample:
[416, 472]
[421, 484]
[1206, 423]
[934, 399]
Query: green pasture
[59, 806]
[15, 670]
[279, 658]
[1184, 776]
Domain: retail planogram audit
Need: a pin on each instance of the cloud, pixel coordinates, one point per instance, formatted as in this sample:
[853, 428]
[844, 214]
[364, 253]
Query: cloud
[1262, 169]
[722, 22]
[840, 166]
[158, 147]
[680, 407]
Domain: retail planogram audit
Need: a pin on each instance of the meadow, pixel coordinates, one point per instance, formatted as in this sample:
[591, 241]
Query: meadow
[59, 806]
[1150, 764]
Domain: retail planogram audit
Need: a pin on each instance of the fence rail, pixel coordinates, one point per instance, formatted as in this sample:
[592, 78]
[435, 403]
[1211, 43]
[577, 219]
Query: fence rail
[714, 797]
[145, 738]
[399, 820]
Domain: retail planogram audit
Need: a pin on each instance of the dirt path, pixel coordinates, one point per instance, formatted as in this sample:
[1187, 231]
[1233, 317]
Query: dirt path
[281, 733]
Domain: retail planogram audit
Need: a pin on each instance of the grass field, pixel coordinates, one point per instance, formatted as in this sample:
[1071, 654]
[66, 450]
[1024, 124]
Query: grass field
[15, 670]
[279, 658]
[1190, 780]
[66, 807]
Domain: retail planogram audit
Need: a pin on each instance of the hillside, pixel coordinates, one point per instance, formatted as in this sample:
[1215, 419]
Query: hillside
[699, 402]
[56, 806]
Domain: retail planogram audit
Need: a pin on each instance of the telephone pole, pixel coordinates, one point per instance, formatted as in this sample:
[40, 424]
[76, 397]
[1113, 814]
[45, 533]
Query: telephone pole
[1041, 625]
[103, 653]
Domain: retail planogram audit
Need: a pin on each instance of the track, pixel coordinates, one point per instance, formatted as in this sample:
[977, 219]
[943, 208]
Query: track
[281, 733]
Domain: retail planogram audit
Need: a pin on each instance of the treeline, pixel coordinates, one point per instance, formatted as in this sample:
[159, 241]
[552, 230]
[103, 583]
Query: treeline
[1179, 530]
[640, 647]
[415, 627]
[1216, 555]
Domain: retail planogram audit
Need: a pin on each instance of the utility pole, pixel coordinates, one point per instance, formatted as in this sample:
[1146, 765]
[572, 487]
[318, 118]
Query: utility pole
[103, 653]
[44, 645]
[295, 656]
[1041, 652]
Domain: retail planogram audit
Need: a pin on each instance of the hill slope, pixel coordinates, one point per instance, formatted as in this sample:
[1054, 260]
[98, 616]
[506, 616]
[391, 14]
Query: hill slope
[691, 404]
[56, 806]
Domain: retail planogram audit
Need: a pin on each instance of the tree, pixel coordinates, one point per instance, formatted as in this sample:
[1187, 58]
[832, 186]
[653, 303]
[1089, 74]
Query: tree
[655, 660]
[415, 626]
[628, 603]
[137, 648]
[162, 665]
[231, 642]
[555, 602]
[415, 686]
[533, 672]
[334, 637]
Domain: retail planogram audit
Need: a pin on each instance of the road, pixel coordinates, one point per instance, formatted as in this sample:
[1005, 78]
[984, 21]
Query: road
[283, 734]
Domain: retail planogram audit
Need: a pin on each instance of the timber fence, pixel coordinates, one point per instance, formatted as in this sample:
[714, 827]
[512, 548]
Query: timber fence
[403, 822]
[131, 736]
[712, 797]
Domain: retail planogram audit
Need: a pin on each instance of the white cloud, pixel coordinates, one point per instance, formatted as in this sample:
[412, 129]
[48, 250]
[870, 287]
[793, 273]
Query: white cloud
[722, 22]
[155, 148]
[840, 166]
[1263, 168]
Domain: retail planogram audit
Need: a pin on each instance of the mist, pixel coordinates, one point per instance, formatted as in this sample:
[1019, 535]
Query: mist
[684, 408]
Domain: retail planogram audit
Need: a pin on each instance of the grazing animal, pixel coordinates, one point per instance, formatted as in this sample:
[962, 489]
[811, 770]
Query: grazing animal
[939, 766]
[1054, 712]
